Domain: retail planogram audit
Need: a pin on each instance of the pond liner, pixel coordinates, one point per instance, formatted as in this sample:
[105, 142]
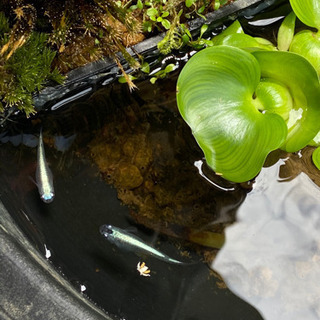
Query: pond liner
[83, 80]
[31, 288]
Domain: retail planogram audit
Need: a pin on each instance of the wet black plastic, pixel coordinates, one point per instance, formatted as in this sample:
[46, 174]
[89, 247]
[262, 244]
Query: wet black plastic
[30, 287]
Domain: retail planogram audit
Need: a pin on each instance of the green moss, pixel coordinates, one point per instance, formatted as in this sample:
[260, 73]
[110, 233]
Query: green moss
[4, 26]
[24, 68]
[39, 37]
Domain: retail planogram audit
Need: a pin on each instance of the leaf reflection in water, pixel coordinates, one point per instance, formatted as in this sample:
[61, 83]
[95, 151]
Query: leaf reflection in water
[272, 254]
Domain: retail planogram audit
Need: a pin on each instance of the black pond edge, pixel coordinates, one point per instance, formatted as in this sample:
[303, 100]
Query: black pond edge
[83, 80]
[30, 287]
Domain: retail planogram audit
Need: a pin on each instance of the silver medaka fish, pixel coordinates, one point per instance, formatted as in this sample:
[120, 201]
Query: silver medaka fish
[126, 240]
[44, 179]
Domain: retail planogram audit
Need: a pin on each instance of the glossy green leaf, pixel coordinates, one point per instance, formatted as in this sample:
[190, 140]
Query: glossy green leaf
[169, 68]
[241, 40]
[201, 9]
[274, 97]
[151, 12]
[286, 32]
[166, 23]
[315, 142]
[140, 4]
[235, 27]
[145, 67]
[215, 96]
[234, 36]
[298, 75]
[189, 3]
[153, 80]
[165, 14]
[307, 44]
[241, 105]
[308, 11]
[203, 29]
[123, 79]
[316, 157]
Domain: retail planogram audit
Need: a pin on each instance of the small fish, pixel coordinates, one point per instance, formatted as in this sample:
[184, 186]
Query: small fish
[124, 239]
[44, 179]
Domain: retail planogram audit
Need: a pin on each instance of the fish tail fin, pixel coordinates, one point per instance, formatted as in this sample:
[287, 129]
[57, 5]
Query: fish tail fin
[182, 263]
[176, 261]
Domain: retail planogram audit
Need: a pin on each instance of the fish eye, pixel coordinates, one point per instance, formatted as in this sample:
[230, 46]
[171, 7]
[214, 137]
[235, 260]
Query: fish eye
[47, 197]
[109, 229]
[106, 230]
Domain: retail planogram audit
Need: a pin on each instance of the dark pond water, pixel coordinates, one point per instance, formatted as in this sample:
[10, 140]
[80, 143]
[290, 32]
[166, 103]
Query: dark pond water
[126, 166]
[128, 159]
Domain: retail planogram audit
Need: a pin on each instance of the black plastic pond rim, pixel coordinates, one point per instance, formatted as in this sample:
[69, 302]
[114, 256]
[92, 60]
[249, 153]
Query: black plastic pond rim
[30, 287]
[81, 81]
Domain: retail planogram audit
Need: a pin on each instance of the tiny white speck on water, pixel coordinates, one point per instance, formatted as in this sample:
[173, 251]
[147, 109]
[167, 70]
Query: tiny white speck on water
[47, 252]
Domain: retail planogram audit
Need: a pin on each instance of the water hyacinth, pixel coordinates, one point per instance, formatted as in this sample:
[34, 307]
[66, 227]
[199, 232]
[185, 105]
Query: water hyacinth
[243, 103]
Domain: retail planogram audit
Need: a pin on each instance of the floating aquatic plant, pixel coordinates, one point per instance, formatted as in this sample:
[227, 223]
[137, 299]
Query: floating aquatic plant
[286, 32]
[305, 42]
[241, 105]
[235, 36]
[229, 114]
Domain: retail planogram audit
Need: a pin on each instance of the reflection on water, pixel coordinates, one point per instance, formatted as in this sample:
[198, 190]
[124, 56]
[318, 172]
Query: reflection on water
[230, 186]
[272, 253]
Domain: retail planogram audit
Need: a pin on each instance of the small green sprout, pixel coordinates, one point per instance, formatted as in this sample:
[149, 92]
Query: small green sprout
[162, 73]
[159, 16]
[201, 43]
[218, 4]
[189, 3]
[123, 79]
[197, 10]
[145, 67]
[139, 5]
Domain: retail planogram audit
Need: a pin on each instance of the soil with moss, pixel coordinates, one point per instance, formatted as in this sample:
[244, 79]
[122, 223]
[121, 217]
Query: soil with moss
[73, 33]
